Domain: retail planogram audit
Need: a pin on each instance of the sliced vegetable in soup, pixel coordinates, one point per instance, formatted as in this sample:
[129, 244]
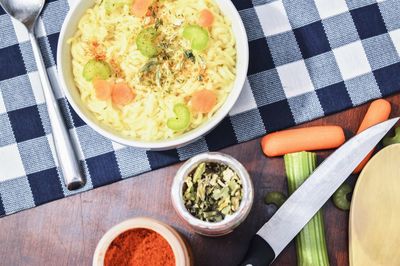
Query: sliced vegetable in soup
[154, 69]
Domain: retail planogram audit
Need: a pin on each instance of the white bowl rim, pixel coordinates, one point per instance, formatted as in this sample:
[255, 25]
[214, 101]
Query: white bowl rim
[185, 138]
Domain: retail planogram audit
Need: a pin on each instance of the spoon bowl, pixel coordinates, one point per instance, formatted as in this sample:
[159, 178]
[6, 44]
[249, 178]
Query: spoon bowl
[24, 11]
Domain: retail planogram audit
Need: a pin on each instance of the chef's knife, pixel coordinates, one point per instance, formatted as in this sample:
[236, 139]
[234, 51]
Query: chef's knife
[304, 203]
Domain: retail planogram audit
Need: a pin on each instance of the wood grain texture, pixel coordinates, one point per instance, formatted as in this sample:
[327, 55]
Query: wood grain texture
[65, 232]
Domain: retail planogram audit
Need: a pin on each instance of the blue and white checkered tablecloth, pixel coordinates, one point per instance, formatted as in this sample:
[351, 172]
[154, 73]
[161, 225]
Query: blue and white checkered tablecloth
[308, 58]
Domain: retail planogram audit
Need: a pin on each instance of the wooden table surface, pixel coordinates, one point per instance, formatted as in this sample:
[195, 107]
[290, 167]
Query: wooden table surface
[65, 232]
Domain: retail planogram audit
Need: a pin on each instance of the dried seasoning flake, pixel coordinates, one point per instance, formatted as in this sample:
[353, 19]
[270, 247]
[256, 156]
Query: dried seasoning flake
[212, 191]
[189, 55]
[149, 65]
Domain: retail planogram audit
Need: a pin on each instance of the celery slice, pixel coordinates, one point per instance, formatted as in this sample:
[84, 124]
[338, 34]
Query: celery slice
[110, 5]
[310, 242]
[96, 69]
[182, 118]
[145, 42]
[197, 36]
[340, 197]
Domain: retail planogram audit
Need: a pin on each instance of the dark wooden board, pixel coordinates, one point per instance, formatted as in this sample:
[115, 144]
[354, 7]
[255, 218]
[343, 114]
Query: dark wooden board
[66, 232]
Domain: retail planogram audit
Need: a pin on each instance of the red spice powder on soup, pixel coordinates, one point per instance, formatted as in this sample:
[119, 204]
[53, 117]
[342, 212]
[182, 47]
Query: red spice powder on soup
[140, 246]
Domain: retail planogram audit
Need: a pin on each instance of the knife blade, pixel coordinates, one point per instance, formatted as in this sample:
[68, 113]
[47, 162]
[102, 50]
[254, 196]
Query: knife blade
[304, 203]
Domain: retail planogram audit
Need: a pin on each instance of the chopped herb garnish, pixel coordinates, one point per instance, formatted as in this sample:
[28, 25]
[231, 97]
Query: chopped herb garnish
[202, 62]
[189, 55]
[153, 13]
[200, 78]
[158, 23]
[158, 78]
[149, 65]
[163, 45]
[212, 191]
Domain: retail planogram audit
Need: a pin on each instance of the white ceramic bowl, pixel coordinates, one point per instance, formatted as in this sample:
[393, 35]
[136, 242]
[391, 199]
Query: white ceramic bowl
[64, 63]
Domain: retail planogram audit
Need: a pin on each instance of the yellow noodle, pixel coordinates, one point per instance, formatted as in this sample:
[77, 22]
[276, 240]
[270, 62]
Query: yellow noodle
[146, 117]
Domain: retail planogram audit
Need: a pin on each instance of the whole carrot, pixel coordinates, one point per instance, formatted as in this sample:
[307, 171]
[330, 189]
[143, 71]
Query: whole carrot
[378, 111]
[302, 139]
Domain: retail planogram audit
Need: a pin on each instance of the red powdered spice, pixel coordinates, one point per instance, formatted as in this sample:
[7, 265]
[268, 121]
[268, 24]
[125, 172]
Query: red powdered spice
[139, 247]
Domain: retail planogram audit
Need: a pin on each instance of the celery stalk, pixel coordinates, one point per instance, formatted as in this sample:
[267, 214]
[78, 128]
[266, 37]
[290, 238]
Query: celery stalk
[310, 242]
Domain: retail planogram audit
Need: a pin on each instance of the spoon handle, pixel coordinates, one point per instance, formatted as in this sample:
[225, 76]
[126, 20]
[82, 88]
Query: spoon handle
[67, 158]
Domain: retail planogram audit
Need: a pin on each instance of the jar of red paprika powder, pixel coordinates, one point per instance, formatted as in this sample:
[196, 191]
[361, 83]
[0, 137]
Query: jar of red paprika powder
[142, 241]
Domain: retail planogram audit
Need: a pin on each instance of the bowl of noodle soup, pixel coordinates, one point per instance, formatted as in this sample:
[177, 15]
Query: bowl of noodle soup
[152, 74]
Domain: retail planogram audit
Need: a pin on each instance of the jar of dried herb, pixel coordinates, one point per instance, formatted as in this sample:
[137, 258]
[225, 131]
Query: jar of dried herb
[213, 192]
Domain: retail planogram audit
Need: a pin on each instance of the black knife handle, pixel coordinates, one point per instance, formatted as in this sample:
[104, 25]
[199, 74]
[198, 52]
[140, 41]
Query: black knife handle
[259, 253]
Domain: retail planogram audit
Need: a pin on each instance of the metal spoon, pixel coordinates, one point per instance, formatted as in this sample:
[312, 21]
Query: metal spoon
[27, 12]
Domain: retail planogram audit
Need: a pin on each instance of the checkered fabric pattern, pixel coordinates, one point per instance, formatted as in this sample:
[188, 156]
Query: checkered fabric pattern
[308, 58]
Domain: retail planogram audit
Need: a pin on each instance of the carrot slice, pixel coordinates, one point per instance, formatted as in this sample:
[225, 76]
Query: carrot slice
[122, 94]
[378, 111]
[203, 101]
[140, 7]
[302, 139]
[206, 18]
[103, 89]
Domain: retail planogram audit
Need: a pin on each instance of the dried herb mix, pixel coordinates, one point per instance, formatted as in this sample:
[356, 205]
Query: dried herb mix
[212, 191]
